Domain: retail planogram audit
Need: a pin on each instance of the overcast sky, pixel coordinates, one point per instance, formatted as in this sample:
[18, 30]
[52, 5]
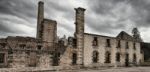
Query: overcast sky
[104, 17]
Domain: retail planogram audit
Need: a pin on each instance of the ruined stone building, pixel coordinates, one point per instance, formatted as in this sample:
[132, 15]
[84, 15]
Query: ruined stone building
[84, 49]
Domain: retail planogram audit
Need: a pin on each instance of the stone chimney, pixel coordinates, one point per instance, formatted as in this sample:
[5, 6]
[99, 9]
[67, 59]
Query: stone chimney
[79, 33]
[40, 18]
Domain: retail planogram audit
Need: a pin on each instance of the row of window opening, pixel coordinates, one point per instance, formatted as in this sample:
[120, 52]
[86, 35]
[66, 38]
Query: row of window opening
[108, 44]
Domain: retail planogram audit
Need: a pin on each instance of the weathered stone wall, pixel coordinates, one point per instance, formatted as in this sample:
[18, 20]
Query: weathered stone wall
[24, 52]
[49, 32]
[45, 60]
[138, 52]
[18, 59]
[102, 49]
[30, 59]
[66, 58]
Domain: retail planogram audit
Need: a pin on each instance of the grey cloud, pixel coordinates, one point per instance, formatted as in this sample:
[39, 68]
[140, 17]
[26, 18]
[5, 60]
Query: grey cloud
[14, 13]
[53, 10]
[8, 28]
[142, 8]
[22, 12]
[139, 16]
[105, 26]
[20, 8]
[67, 27]
[103, 6]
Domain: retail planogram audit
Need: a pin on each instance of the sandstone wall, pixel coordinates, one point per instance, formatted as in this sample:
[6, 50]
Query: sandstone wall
[102, 49]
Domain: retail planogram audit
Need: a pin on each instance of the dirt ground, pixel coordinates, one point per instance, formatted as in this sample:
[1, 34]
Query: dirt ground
[121, 69]
[129, 69]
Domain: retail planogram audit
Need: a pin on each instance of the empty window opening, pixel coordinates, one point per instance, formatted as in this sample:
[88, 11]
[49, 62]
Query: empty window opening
[107, 42]
[95, 56]
[2, 57]
[74, 43]
[107, 57]
[22, 46]
[10, 51]
[134, 57]
[74, 58]
[127, 45]
[2, 45]
[127, 59]
[118, 57]
[134, 46]
[39, 47]
[118, 44]
[95, 41]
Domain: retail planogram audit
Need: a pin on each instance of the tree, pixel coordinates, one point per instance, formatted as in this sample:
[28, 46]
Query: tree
[136, 35]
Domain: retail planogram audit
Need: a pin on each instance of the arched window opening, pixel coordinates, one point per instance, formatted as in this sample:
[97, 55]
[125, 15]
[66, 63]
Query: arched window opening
[108, 43]
[127, 45]
[118, 44]
[107, 57]
[95, 41]
[134, 57]
[118, 57]
[95, 56]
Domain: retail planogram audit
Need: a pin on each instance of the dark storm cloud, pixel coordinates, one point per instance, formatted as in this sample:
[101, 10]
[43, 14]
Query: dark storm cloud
[105, 27]
[20, 13]
[21, 8]
[142, 8]
[14, 15]
[119, 14]
[54, 9]
[103, 6]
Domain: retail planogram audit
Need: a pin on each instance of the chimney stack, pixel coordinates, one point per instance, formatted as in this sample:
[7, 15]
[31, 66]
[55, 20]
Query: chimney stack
[79, 33]
[40, 19]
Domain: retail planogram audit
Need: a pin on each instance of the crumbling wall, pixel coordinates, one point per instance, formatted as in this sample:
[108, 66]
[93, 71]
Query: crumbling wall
[45, 60]
[66, 58]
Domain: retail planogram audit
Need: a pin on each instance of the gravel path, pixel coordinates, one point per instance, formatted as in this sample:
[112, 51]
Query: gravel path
[130, 69]
[122, 69]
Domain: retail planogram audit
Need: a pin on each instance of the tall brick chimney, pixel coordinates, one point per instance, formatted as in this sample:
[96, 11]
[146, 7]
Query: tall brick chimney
[79, 33]
[40, 18]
